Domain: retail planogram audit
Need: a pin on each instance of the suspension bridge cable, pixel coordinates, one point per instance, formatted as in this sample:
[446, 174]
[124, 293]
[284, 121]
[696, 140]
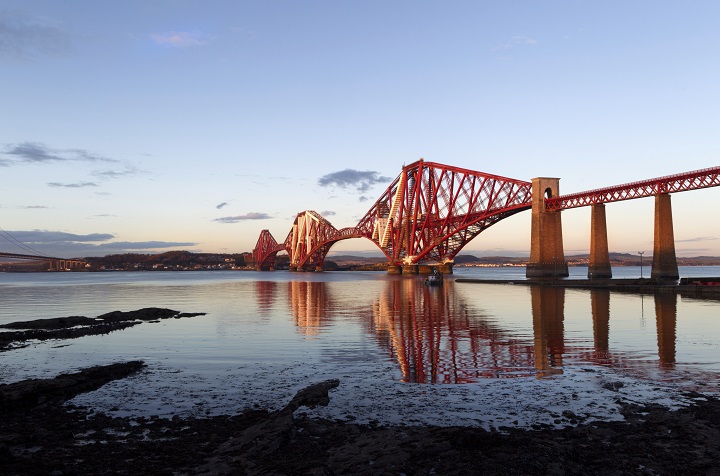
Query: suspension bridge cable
[20, 244]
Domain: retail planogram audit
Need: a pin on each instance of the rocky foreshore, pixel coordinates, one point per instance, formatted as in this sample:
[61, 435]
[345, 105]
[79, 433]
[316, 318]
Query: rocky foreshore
[40, 434]
[72, 327]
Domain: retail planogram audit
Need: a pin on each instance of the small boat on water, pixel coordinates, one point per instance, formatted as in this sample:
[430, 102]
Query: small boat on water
[434, 279]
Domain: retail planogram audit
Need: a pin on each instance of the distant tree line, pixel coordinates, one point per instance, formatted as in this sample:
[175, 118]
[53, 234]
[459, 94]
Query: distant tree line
[169, 259]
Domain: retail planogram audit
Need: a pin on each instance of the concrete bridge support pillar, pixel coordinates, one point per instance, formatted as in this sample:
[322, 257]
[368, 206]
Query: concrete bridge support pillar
[426, 268]
[410, 269]
[547, 258]
[446, 268]
[664, 264]
[599, 266]
[394, 269]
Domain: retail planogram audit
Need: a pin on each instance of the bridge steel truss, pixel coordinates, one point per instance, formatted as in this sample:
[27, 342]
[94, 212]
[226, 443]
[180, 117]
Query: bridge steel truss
[664, 264]
[431, 211]
[694, 180]
[311, 237]
[427, 214]
[266, 249]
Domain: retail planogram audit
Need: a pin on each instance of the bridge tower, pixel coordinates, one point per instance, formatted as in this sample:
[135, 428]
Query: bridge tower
[547, 258]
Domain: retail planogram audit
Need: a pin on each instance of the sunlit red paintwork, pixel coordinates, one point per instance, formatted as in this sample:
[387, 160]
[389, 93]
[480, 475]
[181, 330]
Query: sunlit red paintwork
[429, 213]
[646, 188]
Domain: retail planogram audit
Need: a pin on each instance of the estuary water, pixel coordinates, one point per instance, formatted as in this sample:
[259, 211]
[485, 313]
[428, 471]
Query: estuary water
[464, 353]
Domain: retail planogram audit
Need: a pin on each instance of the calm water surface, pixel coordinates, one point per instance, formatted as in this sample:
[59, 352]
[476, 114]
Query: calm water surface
[261, 326]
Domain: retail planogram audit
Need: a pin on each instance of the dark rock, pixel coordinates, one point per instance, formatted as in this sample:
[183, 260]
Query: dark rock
[54, 438]
[31, 393]
[73, 327]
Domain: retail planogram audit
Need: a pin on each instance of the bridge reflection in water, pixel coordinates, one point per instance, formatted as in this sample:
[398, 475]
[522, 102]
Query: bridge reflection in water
[548, 324]
[435, 335]
[435, 339]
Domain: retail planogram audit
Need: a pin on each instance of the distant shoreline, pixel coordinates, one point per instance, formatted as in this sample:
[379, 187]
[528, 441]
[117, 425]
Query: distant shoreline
[191, 261]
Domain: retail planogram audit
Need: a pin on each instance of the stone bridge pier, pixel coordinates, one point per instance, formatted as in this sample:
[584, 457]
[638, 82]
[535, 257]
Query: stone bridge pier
[664, 264]
[547, 259]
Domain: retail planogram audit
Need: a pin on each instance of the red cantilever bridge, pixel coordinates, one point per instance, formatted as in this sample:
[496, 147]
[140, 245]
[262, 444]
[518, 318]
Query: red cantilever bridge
[431, 211]
[428, 213]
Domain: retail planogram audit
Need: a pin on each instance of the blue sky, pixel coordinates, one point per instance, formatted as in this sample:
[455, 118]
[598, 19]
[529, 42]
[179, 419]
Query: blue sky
[145, 126]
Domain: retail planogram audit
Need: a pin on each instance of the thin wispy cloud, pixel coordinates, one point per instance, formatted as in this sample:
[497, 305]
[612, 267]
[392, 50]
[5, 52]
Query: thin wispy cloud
[39, 153]
[243, 31]
[515, 41]
[360, 180]
[72, 185]
[23, 37]
[221, 205]
[57, 243]
[180, 39]
[33, 207]
[38, 237]
[248, 216]
[144, 245]
[82, 154]
[327, 213]
[696, 239]
[116, 174]
[33, 152]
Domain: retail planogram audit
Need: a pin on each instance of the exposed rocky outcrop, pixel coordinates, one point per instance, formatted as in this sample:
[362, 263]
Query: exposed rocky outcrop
[45, 437]
[29, 394]
[72, 327]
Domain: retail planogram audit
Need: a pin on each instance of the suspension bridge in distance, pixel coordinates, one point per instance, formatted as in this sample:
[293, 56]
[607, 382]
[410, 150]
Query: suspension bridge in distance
[54, 264]
[431, 211]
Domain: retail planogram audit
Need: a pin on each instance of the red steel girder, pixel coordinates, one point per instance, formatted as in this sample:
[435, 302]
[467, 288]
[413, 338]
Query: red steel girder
[694, 180]
[311, 237]
[431, 211]
[266, 250]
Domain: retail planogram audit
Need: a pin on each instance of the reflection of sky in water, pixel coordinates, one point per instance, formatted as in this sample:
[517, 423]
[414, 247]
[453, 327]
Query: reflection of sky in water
[353, 324]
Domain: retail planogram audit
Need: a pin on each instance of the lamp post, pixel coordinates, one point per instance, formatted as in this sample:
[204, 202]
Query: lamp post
[641, 268]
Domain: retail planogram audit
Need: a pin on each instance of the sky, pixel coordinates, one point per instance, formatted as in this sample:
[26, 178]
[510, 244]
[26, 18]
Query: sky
[154, 125]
